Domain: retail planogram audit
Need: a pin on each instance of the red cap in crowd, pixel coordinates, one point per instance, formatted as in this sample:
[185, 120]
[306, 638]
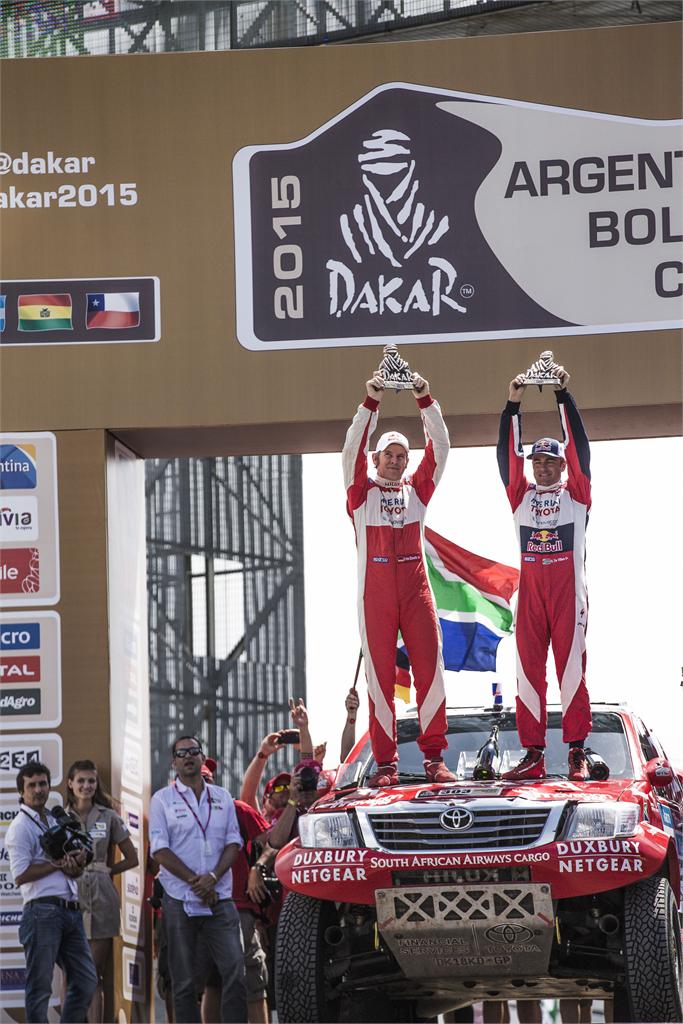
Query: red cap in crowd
[282, 777]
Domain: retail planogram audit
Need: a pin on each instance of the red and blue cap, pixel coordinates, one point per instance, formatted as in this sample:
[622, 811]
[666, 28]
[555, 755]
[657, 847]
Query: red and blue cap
[547, 446]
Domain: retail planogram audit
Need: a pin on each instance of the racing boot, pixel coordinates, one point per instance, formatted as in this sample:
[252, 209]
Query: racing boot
[578, 768]
[532, 766]
[386, 775]
[436, 771]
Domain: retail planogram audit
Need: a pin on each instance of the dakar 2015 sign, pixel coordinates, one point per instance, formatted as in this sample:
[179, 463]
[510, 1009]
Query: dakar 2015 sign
[432, 215]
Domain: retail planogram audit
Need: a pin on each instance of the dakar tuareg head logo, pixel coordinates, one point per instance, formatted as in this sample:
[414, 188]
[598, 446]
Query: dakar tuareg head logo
[391, 221]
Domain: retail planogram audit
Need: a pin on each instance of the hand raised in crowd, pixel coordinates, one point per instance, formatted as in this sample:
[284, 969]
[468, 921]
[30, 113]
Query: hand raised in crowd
[269, 744]
[319, 752]
[564, 378]
[299, 713]
[256, 887]
[375, 386]
[420, 385]
[516, 389]
[352, 703]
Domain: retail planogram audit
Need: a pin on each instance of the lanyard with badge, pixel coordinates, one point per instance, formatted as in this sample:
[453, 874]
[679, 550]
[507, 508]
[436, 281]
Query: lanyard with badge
[206, 845]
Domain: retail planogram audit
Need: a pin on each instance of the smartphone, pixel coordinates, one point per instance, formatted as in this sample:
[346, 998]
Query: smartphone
[288, 736]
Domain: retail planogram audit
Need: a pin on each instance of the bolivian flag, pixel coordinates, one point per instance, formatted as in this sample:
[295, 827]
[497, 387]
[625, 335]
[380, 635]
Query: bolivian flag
[45, 313]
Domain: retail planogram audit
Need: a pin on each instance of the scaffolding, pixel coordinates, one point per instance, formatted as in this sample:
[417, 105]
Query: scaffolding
[226, 604]
[57, 28]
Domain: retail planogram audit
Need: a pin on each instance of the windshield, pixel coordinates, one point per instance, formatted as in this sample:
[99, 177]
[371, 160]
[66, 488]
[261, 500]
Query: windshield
[468, 732]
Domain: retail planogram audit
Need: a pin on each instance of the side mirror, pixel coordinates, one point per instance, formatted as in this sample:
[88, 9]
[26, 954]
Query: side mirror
[659, 773]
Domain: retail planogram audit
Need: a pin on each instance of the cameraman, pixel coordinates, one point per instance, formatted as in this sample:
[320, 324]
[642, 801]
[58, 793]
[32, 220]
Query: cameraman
[51, 929]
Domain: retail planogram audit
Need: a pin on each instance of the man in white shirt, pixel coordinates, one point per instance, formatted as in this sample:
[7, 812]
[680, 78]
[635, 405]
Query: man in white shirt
[195, 837]
[51, 929]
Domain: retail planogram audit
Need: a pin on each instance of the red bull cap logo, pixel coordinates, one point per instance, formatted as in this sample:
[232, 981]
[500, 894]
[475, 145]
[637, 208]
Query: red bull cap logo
[547, 446]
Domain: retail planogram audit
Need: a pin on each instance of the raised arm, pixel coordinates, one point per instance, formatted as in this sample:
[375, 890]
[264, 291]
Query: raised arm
[348, 737]
[437, 442]
[357, 445]
[300, 721]
[255, 769]
[576, 446]
[510, 452]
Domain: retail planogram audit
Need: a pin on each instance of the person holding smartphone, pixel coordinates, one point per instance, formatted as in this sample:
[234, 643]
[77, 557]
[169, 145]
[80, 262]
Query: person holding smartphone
[299, 738]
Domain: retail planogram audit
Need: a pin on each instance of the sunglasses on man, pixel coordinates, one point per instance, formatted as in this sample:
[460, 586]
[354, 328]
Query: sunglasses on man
[187, 752]
[280, 788]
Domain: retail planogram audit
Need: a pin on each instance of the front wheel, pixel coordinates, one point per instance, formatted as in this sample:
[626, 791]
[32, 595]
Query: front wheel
[301, 989]
[652, 950]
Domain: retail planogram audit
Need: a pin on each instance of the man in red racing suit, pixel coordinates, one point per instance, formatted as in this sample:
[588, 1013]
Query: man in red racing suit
[393, 589]
[550, 517]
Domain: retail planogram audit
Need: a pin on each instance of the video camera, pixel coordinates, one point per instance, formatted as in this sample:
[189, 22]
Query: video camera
[309, 778]
[65, 837]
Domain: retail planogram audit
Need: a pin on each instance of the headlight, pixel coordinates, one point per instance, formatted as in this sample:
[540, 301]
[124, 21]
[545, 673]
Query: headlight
[595, 821]
[327, 830]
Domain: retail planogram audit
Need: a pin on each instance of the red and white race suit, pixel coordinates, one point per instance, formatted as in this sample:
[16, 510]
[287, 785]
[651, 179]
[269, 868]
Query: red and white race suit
[393, 589]
[552, 604]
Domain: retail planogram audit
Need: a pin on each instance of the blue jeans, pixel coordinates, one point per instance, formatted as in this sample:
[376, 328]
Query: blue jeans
[221, 933]
[54, 935]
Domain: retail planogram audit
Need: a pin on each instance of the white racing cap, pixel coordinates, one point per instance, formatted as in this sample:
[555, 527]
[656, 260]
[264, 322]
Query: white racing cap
[392, 437]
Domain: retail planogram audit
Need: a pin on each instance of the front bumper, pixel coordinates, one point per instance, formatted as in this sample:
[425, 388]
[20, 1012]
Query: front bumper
[573, 868]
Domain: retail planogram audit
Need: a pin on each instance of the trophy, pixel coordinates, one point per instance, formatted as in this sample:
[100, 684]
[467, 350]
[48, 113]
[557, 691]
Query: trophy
[395, 370]
[543, 372]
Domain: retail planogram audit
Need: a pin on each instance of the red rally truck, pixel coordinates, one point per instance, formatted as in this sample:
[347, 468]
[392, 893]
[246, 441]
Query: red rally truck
[409, 901]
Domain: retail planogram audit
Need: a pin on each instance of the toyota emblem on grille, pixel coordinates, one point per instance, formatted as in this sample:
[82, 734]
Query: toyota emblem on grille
[457, 819]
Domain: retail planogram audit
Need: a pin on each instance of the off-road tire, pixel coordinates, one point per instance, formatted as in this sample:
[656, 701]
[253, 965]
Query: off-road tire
[300, 961]
[652, 951]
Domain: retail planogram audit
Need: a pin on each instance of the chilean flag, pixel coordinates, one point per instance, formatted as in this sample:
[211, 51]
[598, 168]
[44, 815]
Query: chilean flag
[113, 309]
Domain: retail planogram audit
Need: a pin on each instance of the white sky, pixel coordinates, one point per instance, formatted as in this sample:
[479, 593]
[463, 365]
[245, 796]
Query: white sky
[634, 573]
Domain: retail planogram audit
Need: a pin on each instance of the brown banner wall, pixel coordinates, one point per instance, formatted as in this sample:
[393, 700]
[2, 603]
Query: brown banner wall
[171, 124]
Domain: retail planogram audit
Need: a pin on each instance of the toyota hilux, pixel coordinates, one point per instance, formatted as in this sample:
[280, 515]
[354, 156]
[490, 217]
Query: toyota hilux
[419, 898]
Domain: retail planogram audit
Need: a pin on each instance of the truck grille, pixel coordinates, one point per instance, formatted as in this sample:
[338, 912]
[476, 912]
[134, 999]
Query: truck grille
[496, 828]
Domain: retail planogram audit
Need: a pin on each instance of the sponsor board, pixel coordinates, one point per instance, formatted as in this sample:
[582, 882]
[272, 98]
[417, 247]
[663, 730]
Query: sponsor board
[17, 750]
[18, 470]
[17, 635]
[131, 812]
[132, 765]
[23, 669]
[30, 652]
[29, 526]
[133, 923]
[18, 518]
[25, 702]
[133, 975]
[13, 981]
[432, 215]
[133, 880]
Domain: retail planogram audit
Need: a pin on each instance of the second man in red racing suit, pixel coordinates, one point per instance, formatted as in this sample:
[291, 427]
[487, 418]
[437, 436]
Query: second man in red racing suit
[550, 519]
[393, 588]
